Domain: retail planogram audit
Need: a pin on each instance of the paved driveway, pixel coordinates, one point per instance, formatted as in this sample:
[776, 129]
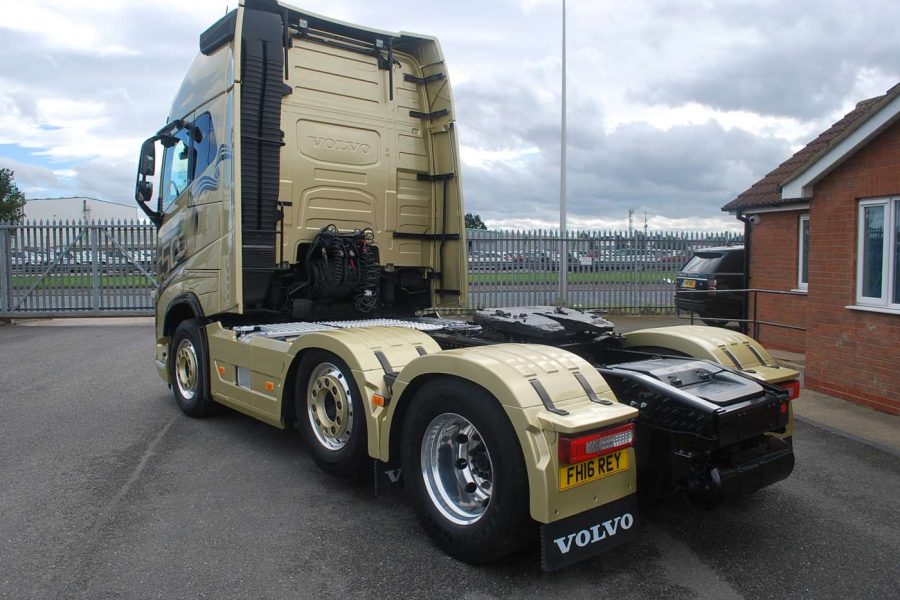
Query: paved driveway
[107, 491]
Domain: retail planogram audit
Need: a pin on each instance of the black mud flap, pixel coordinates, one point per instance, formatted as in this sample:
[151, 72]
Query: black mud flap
[388, 479]
[588, 534]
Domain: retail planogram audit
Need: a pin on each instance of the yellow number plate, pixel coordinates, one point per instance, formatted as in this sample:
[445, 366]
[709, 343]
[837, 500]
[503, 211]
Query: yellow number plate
[690, 283]
[592, 470]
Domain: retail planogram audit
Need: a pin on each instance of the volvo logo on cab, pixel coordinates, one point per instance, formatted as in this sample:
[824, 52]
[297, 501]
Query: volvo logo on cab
[595, 533]
[343, 145]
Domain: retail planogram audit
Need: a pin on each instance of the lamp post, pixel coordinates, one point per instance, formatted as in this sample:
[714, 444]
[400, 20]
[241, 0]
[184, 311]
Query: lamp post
[564, 250]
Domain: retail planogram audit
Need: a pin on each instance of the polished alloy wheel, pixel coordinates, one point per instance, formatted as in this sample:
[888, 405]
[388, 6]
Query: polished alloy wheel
[186, 369]
[456, 467]
[329, 406]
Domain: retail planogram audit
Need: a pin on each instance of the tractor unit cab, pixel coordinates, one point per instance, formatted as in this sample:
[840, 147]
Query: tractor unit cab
[309, 169]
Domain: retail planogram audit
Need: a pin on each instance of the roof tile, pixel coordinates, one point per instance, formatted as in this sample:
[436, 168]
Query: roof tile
[767, 191]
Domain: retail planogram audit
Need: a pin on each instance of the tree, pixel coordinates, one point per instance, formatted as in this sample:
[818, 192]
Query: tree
[474, 222]
[12, 201]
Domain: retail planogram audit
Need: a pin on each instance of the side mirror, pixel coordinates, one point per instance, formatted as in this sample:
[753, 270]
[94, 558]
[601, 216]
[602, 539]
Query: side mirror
[143, 192]
[143, 189]
[147, 161]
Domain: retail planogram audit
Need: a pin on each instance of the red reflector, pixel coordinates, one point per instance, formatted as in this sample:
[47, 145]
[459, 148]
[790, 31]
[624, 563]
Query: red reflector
[577, 449]
[792, 387]
[783, 407]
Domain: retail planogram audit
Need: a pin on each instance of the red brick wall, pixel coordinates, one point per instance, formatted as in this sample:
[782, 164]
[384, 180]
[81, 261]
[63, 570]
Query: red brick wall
[773, 266]
[851, 354]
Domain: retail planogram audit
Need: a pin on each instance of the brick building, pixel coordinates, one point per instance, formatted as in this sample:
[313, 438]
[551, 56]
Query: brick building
[826, 222]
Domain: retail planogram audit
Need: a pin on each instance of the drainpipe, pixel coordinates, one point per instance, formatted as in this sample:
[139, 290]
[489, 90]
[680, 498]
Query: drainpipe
[745, 309]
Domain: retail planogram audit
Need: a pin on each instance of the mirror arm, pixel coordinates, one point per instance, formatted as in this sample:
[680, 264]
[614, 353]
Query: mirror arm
[153, 215]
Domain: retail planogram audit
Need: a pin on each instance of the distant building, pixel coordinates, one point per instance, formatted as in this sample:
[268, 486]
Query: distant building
[80, 209]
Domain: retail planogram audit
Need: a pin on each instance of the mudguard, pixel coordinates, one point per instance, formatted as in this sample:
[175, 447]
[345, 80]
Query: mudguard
[729, 348]
[541, 390]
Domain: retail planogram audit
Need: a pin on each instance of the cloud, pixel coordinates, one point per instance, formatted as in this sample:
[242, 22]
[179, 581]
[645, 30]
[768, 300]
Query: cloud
[674, 107]
[801, 59]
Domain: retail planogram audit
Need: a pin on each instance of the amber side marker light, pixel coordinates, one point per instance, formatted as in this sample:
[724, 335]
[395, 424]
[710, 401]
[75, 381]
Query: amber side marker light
[584, 447]
[377, 400]
[221, 370]
[270, 386]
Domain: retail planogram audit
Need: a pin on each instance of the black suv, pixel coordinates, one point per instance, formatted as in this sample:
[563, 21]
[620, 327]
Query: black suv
[710, 271]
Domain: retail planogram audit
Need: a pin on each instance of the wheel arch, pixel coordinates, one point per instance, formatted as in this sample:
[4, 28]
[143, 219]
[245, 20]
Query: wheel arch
[507, 373]
[408, 396]
[729, 348]
[181, 308]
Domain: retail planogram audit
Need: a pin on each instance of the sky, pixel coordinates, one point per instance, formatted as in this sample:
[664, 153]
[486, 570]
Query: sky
[674, 106]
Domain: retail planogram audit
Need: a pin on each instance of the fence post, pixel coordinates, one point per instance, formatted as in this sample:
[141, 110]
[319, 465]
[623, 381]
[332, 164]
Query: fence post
[5, 275]
[95, 271]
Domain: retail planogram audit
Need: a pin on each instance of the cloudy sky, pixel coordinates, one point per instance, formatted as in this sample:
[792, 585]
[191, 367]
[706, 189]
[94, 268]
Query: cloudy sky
[675, 106]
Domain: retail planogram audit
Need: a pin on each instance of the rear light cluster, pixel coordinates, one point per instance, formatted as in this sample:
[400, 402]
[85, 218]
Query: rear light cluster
[792, 387]
[577, 449]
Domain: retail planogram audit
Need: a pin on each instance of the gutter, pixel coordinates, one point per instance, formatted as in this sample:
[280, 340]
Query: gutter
[748, 246]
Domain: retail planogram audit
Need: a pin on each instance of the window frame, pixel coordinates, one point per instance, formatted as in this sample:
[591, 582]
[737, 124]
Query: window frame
[165, 174]
[891, 206]
[801, 255]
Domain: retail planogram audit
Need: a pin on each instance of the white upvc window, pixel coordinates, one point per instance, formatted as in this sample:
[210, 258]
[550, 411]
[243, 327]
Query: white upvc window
[878, 254]
[803, 254]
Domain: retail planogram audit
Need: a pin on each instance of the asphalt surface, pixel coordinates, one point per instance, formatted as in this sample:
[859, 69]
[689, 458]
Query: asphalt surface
[107, 491]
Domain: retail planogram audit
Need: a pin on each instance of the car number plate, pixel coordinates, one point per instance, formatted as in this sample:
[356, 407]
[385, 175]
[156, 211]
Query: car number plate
[690, 283]
[593, 469]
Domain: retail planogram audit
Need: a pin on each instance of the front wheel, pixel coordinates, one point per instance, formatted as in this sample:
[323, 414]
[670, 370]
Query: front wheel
[465, 472]
[189, 369]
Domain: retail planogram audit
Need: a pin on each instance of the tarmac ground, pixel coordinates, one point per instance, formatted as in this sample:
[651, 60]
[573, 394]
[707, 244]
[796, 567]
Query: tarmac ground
[108, 491]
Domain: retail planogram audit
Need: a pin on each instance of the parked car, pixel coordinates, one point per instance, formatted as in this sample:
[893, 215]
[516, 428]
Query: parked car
[701, 284]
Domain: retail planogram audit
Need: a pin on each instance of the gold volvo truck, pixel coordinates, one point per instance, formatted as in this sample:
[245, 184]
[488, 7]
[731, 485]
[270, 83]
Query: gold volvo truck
[309, 206]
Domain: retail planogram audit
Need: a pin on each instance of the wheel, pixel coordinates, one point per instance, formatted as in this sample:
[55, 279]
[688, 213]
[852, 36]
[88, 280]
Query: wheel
[465, 473]
[330, 413]
[189, 369]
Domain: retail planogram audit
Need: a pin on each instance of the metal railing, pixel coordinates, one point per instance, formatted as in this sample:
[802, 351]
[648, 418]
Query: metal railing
[750, 307]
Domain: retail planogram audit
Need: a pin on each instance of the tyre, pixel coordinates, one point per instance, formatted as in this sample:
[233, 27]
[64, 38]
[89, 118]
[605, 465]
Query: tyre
[465, 473]
[330, 413]
[189, 369]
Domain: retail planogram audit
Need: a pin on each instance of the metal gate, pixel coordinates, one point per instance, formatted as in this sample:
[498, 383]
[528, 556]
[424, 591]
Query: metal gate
[77, 269]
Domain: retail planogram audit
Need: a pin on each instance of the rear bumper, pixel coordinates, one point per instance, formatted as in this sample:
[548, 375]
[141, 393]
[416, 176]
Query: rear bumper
[745, 478]
[734, 478]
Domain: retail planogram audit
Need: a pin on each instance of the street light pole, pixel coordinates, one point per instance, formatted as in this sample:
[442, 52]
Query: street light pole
[564, 250]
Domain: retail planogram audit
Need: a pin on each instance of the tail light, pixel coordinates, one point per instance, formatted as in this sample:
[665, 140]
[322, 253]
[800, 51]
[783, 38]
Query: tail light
[792, 387]
[577, 449]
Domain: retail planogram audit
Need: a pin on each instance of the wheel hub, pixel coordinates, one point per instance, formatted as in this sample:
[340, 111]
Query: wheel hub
[457, 469]
[329, 406]
[186, 369]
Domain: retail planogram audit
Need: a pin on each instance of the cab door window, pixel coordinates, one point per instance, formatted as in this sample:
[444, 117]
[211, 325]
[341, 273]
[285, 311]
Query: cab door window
[205, 148]
[178, 166]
